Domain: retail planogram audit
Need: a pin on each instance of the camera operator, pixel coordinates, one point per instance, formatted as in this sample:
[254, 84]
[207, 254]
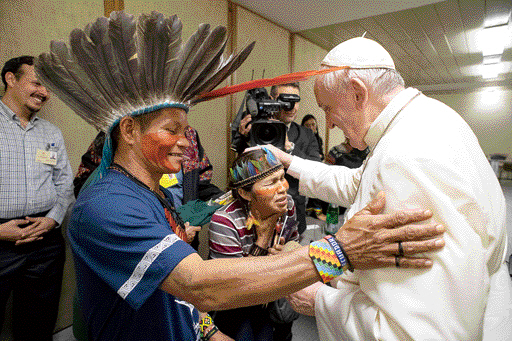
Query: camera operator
[300, 141]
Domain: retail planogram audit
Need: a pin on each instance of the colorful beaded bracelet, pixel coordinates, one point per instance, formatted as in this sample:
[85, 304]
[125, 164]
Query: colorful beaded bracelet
[205, 322]
[326, 262]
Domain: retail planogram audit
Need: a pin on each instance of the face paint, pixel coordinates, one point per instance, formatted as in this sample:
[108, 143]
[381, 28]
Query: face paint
[269, 194]
[160, 149]
[272, 190]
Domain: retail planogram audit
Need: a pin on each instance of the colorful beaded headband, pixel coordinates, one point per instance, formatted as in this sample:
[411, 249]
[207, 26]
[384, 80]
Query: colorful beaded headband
[246, 172]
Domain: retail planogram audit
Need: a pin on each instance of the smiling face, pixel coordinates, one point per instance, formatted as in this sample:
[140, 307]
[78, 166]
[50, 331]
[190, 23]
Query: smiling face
[163, 142]
[27, 92]
[268, 195]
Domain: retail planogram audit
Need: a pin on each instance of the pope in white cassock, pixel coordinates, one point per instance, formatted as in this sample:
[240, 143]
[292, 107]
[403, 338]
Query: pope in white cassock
[422, 155]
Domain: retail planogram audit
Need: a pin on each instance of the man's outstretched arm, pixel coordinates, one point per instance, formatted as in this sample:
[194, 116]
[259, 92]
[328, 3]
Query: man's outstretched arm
[369, 239]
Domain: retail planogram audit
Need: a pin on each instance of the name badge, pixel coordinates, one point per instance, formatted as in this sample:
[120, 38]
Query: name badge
[168, 180]
[47, 157]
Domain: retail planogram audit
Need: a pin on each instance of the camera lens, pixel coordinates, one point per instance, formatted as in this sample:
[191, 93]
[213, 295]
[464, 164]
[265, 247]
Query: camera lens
[267, 134]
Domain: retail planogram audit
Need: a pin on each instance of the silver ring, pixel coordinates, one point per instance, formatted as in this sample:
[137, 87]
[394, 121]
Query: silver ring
[400, 249]
[397, 261]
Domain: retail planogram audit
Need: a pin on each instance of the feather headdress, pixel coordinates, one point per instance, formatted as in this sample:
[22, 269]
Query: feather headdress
[125, 66]
[252, 166]
[122, 66]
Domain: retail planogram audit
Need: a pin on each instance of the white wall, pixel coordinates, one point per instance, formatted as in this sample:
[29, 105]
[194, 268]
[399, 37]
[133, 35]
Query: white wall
[488, 114]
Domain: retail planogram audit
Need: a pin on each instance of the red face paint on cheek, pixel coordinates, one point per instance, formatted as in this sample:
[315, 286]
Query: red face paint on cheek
[266, 192]
[273, 190]
[157, 147]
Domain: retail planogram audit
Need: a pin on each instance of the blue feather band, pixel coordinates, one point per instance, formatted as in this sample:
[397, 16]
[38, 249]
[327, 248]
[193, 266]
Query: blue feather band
[151, 108]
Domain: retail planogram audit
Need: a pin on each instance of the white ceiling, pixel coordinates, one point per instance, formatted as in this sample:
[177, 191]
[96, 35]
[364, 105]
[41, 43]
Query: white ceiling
[299, 15]
[436, 44]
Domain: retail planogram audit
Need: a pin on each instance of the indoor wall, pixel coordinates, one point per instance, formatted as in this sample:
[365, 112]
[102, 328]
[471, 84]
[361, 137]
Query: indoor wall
[488, 111]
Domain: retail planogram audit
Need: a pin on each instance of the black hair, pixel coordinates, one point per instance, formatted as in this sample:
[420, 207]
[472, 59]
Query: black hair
[144, 122]
[307, 118]
[273, 89]
[14, 65]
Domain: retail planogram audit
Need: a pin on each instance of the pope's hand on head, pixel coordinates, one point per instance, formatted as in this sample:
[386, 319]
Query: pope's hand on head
[371, 240]
[282, 156]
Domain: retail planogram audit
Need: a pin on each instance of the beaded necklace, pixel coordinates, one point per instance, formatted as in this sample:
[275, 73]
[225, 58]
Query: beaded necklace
[175, 222]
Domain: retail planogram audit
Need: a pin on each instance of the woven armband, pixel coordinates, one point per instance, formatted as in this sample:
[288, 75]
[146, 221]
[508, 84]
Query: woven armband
[339, 252]
[257, 250]
[204, 324]
[209, 335]
[325, 260]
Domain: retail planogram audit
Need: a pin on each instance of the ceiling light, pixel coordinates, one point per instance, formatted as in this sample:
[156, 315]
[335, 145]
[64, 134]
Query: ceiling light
[492, 59]
[496, 19]
[493, 40]
[490, 96]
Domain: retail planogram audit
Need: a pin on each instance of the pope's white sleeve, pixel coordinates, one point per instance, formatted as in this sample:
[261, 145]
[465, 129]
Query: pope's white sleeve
[336, 184]
[344, 313]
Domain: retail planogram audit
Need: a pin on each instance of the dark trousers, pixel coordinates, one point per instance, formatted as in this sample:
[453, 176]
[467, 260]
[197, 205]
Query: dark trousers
[283, 331]
[245, 324]
[33, 273]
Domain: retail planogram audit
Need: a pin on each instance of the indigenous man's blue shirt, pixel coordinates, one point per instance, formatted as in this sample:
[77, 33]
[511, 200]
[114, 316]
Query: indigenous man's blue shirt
[124, 248]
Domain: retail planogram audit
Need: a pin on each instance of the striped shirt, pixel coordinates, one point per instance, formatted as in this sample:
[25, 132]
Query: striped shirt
[229, 236]
[28, 186]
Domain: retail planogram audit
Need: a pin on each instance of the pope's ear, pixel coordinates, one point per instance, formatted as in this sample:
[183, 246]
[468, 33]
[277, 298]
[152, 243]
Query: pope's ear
[360, 93]
[244, 194]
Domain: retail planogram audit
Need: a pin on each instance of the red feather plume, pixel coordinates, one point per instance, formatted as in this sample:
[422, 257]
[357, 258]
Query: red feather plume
[260, 83]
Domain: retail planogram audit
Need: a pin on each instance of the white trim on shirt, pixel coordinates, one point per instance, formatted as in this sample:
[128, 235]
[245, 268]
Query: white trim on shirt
[145, 263]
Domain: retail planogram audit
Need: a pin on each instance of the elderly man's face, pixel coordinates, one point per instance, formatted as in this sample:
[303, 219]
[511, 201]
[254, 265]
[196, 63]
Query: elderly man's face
[163, 142]
[341, 112]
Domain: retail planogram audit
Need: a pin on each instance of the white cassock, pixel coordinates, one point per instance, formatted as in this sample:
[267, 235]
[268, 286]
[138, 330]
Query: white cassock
[423, 155]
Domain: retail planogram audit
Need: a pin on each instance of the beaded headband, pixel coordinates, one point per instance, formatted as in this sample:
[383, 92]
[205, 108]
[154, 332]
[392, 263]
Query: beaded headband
[247, 171]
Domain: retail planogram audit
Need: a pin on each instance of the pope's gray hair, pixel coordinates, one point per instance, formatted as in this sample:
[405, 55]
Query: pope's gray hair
[381, 80]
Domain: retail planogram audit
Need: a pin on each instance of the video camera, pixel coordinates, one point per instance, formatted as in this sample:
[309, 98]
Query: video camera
[265, 129]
